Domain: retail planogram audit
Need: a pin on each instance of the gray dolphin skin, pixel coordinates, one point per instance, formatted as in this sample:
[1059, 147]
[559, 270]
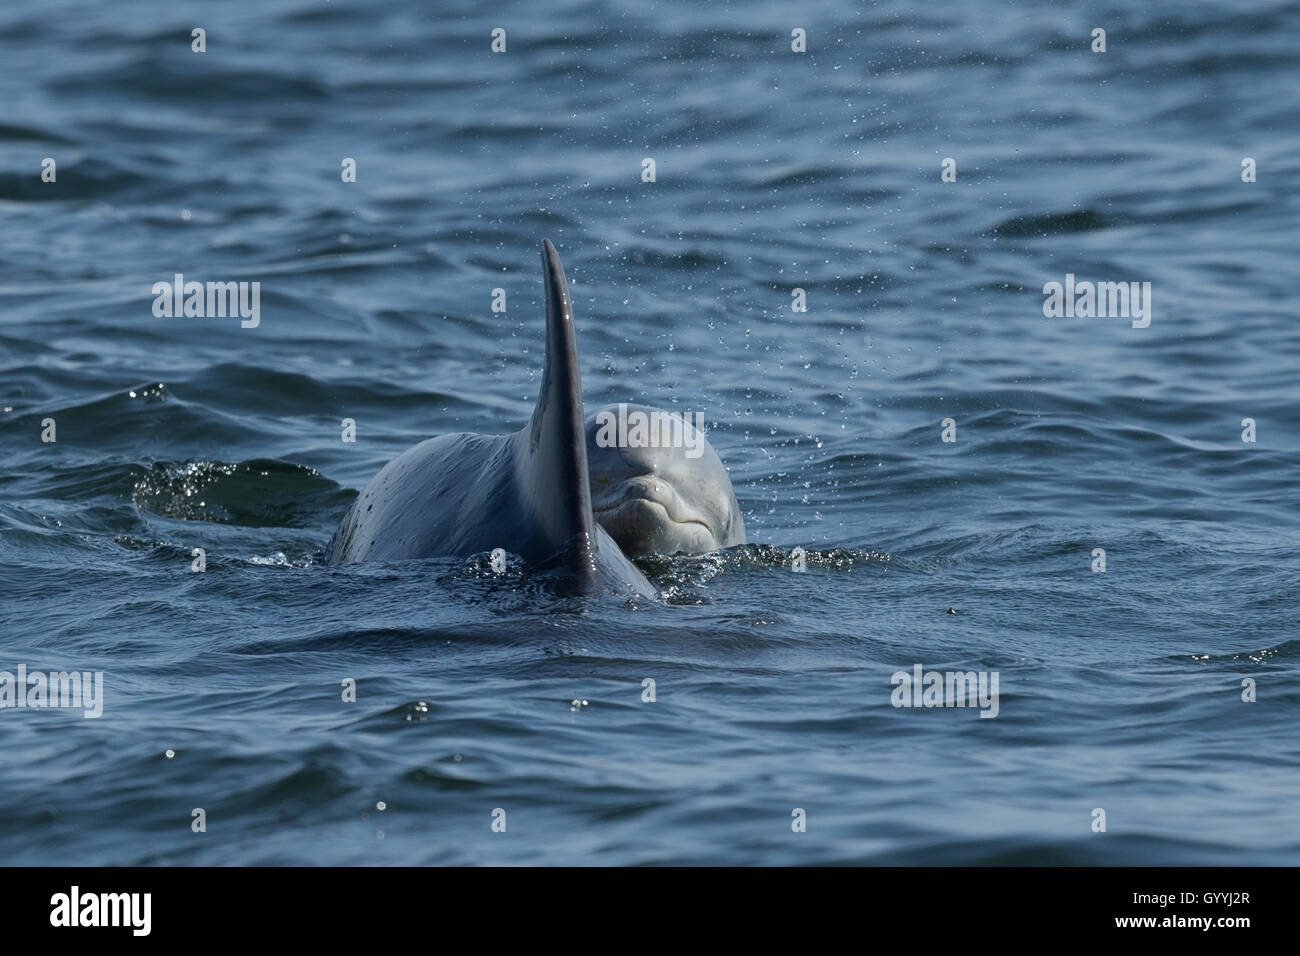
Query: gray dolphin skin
[528, 493]
[658, 496]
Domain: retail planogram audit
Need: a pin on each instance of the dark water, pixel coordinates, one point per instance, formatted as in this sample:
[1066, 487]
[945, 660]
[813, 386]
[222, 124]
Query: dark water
[775, 171]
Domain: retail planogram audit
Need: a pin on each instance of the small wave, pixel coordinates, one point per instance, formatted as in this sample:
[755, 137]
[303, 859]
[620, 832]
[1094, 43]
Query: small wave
[257, 493]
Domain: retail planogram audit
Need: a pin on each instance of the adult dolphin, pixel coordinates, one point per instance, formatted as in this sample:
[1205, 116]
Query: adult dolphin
[528, 493]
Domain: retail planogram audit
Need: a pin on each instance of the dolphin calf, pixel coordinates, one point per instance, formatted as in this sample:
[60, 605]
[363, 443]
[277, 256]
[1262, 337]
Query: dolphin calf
[530, 493]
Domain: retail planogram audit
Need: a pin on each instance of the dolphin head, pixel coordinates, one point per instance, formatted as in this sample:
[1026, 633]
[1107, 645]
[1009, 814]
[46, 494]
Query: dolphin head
[657, 486]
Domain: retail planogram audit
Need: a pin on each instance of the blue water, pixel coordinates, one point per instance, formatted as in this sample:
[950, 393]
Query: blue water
[1119, 690]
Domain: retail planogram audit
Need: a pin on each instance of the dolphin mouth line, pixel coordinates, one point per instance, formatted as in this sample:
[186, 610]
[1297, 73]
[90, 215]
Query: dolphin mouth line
[624, 502]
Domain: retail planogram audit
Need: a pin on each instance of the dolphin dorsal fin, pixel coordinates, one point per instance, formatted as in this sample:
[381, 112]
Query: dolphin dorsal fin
[555, 480]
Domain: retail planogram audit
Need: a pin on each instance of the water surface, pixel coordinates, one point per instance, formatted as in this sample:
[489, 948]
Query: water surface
[775, 171]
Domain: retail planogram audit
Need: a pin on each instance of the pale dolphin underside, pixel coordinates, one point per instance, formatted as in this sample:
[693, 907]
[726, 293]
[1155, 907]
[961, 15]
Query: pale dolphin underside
[527, 493]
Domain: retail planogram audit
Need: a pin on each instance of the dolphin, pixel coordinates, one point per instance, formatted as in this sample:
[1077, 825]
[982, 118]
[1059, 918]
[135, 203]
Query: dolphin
[527, 493]
[665, 493]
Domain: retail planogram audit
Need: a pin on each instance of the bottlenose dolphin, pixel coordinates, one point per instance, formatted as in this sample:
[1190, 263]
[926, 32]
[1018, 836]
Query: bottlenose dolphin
[528, 493]
[667, 492]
